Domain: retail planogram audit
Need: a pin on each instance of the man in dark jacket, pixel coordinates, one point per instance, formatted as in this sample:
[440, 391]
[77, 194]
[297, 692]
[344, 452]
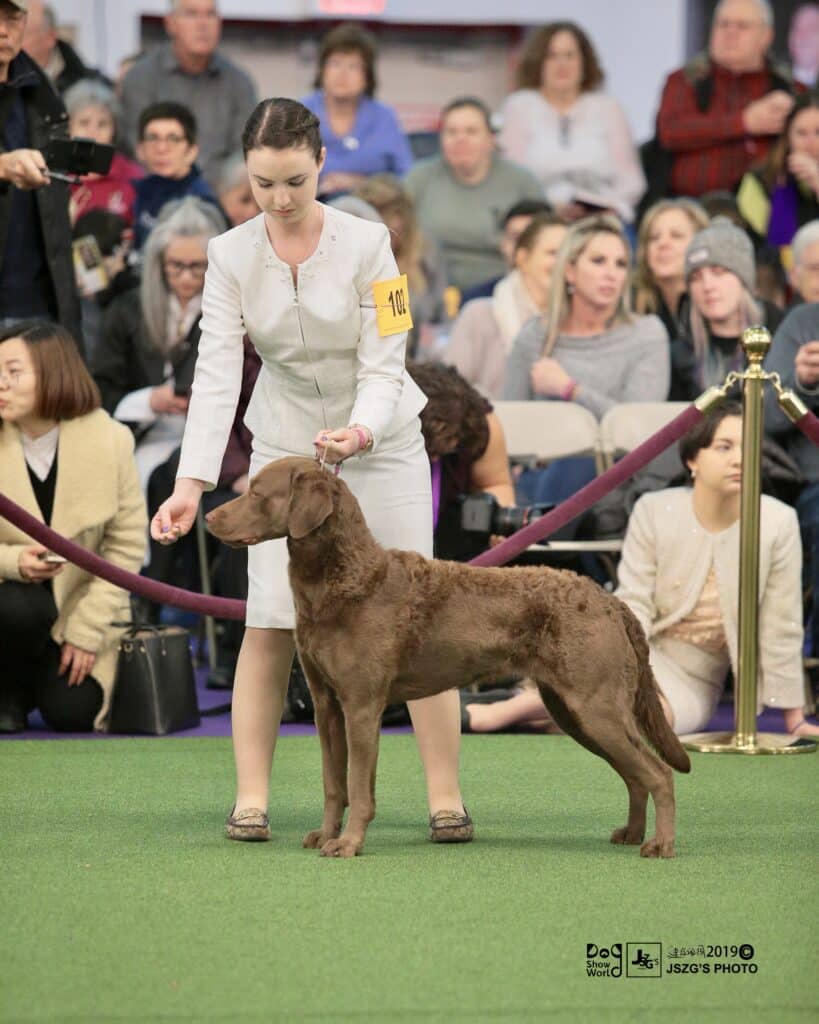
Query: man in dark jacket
[36, 269]
[57, 58]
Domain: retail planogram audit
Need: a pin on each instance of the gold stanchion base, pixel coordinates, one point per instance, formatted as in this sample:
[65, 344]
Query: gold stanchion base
[764, 743]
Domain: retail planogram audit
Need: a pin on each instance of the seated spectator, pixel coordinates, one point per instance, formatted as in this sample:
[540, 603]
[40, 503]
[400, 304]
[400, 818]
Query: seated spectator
[92, 114]
[58, 649]
[721, 276]
[190, 71]
[803, 43]
[574, 138]
[483, 334]
[467, 452]
[144, 366]
[515, 221]
[804, 272]
[724, 109]
[417, 256]
[679, 574]
[783, 194]
[58, 59]
[167, 147]
[461, 196]
[794, 355]
[361, 135]
[233, 191]
[659, 279]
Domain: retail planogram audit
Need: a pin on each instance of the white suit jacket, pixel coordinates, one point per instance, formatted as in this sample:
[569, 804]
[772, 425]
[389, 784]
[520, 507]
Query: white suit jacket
[322, 355]
[665, 561]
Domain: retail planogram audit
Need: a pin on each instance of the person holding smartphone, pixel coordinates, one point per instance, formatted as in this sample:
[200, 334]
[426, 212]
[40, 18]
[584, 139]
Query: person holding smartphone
[67, 463]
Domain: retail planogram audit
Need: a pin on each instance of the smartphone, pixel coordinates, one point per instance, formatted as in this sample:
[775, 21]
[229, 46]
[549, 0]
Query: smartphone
[51, 558]
[89, 265]
[78, 156]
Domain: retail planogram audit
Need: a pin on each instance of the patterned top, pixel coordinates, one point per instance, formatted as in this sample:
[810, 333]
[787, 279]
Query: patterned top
[703, 627]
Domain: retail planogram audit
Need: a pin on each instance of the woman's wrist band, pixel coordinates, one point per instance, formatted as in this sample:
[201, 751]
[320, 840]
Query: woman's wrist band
[567, 394]
[365, 438]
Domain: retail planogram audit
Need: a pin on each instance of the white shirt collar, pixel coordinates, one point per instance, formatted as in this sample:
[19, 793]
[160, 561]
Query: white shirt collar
[39, 452]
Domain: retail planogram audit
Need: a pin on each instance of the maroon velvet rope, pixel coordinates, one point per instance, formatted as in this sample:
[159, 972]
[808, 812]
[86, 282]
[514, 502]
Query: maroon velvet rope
[226, 608]
[809, 425]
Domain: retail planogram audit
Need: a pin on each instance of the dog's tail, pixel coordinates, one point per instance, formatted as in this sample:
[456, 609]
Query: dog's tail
[647, 707]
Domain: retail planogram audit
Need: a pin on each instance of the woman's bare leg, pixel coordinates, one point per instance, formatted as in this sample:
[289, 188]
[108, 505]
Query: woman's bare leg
[437, 724]
[523, 707]
[259, 691]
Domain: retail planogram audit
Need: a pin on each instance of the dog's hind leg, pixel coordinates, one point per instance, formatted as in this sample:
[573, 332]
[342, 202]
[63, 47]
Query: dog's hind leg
[333, 739]
[634, 831]
[363, 724]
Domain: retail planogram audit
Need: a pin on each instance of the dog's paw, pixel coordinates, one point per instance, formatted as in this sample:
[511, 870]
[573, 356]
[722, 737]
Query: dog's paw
[314, 840]
[341, 847]
[627, 837]
[657, 848]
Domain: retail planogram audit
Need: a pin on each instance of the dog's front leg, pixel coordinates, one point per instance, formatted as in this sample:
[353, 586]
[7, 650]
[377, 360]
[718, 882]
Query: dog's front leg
[363, 724]
[330, 726]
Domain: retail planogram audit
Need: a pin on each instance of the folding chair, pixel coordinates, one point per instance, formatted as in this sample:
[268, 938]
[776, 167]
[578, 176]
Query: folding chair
[625, 427]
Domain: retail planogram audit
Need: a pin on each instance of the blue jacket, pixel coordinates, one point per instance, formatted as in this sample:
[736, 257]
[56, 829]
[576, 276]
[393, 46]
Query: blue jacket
[154, 190]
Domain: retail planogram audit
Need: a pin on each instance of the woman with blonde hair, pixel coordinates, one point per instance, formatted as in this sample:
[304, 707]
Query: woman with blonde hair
[659, 274]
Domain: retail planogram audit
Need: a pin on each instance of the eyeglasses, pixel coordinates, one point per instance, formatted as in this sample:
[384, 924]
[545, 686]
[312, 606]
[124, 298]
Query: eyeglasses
[175, 268]
[12, 378]
[151, 139]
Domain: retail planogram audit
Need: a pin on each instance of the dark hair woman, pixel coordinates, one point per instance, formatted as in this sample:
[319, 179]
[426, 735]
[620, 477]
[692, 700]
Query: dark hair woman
[298, 279]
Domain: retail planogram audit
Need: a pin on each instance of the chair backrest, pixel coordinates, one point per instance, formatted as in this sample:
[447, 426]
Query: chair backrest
[547, 430]
[626, 426]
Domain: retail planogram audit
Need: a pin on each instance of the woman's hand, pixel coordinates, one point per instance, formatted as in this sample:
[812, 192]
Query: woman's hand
[77, 662]
[334, 446]
[549, 378]
[176, 516]
[805, 169]
[33, 567]
[240, 484]
[164, 401]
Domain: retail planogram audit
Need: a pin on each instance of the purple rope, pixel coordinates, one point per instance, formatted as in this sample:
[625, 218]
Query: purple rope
[227, 608]
[592, 492]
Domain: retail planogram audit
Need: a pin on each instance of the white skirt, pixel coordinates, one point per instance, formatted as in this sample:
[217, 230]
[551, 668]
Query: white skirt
[692, 681]
[394, 490]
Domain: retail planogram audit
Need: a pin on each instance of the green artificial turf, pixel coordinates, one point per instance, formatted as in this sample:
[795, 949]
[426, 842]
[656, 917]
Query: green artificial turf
[121, 901]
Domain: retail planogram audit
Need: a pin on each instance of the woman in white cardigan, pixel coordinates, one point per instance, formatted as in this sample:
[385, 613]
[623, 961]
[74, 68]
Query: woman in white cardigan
[298, 279]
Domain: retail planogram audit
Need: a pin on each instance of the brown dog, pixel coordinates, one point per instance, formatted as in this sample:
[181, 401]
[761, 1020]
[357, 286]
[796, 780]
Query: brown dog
[376, 626]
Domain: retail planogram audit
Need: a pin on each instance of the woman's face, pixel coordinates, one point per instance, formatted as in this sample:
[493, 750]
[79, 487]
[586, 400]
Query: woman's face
[536, 264]
[185, 261]
[717, 469]
[562, 69]
[93, 122]
[803, 134]
[344, 76]
[466, 141]
[238, 203]
[600, 272]
[18, 382]
[667, 241]
[716, 292]
[284, 182]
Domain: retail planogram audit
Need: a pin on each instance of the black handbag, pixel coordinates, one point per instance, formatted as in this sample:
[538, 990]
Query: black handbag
[154, 690]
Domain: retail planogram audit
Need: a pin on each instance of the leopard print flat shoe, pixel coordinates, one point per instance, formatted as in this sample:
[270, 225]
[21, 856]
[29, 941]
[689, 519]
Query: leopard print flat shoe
[250, 825]
[451, 827]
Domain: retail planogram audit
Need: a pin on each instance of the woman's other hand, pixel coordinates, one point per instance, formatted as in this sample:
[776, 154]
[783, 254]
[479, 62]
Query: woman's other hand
[164, 401]
[334, 446]
[77, 662]
[33, 567]
[175, 517]
[240, 484]
[549, 378]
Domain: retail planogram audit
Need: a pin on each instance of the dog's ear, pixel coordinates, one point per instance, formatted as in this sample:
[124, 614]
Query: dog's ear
[311, 502]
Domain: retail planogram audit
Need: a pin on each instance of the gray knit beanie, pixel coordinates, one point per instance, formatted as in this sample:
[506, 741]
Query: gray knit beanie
[722, 244]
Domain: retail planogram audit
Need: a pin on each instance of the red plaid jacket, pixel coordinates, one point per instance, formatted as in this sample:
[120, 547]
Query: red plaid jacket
[711, 149]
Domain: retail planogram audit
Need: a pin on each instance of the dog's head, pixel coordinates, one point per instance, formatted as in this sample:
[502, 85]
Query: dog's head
[291, 497]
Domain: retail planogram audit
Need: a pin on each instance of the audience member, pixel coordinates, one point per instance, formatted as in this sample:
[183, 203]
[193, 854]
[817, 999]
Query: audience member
[794, 355]
[58, 648]
[574, 138]
[168, 149]
[515, 221]
[189, 70]
[723, 110]
[417, 255]
[803, 44]
[233, 191]
[361, 135]
[461, 196]
[804, 272]
[92, 114]
[57, 58]
[720, 273]
[679, 574]
[779, 197]
[659, 278]
[144, 369]
[485, 330]
[36, 268]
